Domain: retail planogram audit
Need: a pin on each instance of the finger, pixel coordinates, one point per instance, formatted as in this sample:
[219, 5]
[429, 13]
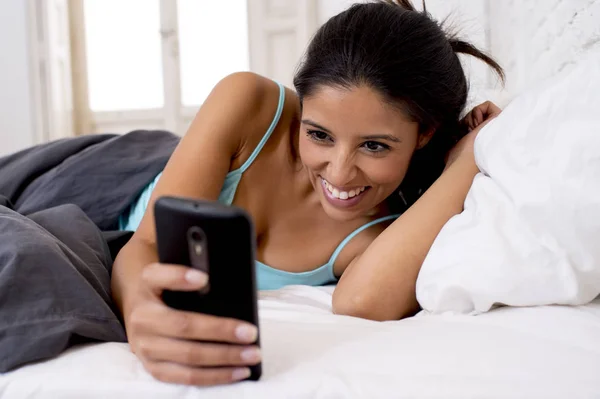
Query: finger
[472, 124]
[482, 125]
[490, 109]
[494, 110]
[196, 354]
[159, 277]
[159, 319]
[468, 121]
[179, 374]
[478, 116]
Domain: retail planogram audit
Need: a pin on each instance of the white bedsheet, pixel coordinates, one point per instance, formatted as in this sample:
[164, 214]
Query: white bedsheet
[542, 352]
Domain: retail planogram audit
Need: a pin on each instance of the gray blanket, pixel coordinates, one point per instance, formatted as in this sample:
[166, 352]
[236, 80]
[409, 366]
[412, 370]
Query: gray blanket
[58, 204]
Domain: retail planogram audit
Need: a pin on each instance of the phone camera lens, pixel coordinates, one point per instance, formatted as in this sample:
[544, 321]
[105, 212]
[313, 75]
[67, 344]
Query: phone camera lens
[196, 236]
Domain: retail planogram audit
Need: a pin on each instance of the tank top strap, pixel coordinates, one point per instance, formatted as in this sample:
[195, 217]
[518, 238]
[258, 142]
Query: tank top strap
[355, 233]
[269, 131]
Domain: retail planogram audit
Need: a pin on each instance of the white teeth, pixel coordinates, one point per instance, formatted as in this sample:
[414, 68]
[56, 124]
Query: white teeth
[344, 195]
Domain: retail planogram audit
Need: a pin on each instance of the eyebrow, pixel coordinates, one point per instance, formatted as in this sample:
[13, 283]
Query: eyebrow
[382, 137]
[368, 137]
[314, 124]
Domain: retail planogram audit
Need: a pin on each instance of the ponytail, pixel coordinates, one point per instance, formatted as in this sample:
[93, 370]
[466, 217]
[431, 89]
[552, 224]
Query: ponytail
[462, 47]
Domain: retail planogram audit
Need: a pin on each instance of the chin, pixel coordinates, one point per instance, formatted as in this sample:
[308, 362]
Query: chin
[341, 215]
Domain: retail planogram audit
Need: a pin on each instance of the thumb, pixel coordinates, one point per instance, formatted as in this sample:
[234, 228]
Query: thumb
[159, 277]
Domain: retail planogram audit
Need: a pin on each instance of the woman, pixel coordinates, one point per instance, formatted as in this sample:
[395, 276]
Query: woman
[376, 110]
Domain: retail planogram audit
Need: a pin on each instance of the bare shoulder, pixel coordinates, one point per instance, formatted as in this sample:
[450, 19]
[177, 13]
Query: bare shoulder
[241, 93]
[245, 102]
[244, 88]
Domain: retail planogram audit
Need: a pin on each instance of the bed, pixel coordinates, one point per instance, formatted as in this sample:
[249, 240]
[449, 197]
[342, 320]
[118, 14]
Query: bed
[538, 352]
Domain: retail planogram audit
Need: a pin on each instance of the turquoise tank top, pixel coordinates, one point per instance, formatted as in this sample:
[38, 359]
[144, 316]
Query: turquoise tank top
[268, 278]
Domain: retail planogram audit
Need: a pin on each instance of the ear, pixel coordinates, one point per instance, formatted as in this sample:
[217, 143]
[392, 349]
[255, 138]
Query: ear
[424, 138]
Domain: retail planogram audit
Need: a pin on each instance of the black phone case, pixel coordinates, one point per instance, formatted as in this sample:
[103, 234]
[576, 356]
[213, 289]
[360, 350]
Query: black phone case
[230, 244]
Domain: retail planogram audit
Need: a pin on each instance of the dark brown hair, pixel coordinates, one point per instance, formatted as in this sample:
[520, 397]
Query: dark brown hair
[407, 57]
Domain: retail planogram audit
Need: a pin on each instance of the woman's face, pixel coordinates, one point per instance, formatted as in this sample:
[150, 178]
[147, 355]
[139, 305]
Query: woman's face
[355, 147]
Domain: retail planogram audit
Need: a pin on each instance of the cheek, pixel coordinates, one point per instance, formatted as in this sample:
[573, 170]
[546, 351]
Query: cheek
[387, 173]
[310, 154]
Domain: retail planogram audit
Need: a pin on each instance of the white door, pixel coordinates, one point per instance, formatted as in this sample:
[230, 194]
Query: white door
[279, 31]
[52, 68]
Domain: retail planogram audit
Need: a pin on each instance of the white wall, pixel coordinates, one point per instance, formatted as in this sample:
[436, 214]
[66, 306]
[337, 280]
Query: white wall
[16, 109]
[328, 8]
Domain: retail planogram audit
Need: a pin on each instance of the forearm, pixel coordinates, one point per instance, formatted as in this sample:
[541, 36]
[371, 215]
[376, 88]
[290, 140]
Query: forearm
[127, 269]
[380, 284]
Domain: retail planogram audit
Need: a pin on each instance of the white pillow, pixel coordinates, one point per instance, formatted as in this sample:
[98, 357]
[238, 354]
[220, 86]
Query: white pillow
[530, 231]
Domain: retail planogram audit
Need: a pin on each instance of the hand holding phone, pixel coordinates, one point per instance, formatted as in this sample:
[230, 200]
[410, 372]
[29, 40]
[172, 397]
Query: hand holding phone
[193, 342]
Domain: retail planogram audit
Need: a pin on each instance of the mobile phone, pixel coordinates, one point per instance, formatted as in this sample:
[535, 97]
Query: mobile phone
[218, 240]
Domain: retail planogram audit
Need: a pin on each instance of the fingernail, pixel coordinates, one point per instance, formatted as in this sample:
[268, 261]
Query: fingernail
[240, 374]
[246, 333]
[251, 355]
[195, 277]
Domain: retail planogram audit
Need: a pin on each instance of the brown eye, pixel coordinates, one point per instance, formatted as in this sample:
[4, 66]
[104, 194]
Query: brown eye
[374, 146]
[317, 135]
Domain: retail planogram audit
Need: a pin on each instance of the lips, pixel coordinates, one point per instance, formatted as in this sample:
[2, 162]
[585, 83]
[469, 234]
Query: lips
[343, 197]
[341, 193]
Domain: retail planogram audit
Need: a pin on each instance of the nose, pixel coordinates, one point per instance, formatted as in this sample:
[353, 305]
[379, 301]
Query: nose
[342, 169]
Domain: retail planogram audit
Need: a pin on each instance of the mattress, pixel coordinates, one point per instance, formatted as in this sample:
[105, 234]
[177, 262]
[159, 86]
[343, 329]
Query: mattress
[537, 352]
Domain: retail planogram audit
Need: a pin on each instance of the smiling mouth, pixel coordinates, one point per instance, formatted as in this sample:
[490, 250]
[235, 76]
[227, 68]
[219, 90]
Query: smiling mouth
[343, 198]
[342, 194]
